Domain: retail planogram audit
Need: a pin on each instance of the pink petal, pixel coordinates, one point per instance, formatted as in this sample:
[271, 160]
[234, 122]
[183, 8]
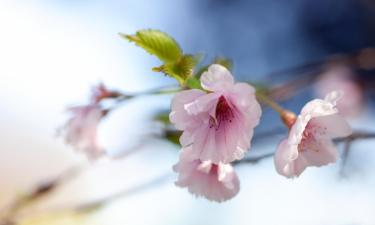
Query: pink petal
[243, 95]
[317, 107]
[335, 125]
[322, 154]
[179, 116]
[214, 182]
[202, 104]
[326, 154]
[217, 78]
[209, 149]
[81, 129]
[342, 78]
[282, 160]
[219, 135]
[186, 138]
[333, 97]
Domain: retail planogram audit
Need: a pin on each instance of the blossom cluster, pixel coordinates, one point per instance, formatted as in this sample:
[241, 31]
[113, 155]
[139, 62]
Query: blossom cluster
[217, 123]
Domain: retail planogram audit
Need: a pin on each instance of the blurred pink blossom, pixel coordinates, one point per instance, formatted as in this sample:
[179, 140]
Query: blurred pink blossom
[342, 78]
[80, 131]
[310, 138]
[217, 124]
[216, 182]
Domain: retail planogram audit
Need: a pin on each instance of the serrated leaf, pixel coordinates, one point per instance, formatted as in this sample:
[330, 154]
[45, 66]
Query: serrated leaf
[181, 70]
[157, 43]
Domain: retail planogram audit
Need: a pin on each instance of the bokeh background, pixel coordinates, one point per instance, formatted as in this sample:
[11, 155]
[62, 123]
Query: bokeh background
[51, 52]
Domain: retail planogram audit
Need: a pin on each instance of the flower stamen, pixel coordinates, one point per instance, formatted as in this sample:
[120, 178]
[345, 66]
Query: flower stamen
[223, 113]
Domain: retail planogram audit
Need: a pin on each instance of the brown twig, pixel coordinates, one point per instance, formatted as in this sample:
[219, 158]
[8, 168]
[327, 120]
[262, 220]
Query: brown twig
[357, 135]
[289, 89]
[348, 142]
[47, 187]
[129, 191]
[41, 190]
[345, 155]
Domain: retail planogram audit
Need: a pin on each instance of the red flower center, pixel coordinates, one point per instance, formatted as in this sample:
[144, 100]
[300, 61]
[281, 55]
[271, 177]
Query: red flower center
[310, 138]
[223, 113]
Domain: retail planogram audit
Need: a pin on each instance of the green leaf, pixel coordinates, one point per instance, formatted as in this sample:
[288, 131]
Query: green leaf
[193, 83]
[169, 133]
[163, 117]
[173, 136]
[157, 43]
[181, 70]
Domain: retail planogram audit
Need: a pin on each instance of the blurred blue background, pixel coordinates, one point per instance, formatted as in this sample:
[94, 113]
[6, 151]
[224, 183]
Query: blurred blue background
[52, 51]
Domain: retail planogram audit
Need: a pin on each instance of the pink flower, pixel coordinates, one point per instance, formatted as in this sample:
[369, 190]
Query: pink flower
[339, 77]
[217, 124]
[216, 182]
[81, 129]
[310, 138]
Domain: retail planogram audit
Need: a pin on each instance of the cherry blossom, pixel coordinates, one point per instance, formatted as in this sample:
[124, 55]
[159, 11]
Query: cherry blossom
[310, 137]
[80, 131]
[216, 182]
[339, 77]
[218, 122]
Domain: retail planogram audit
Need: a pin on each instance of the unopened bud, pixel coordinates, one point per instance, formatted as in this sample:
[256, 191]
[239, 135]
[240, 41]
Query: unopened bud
[288, 118]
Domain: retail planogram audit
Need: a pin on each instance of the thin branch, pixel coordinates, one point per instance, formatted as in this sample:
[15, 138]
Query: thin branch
[289, 89]
[347, 145]
[348, 142]
[42, 189]
[357, 135]
[130, 191]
